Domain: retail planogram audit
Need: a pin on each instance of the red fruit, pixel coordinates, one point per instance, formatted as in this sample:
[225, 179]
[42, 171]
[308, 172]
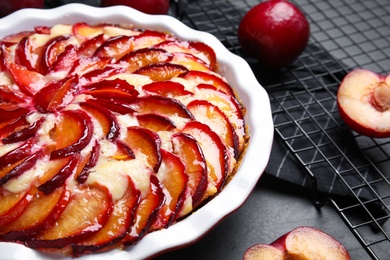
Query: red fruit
[212, 116]
[300, 243]
[201, 77]
[116, 90]
[200, 51]
[168, 89]
[12, 204]
[155, 122]
[121, 219]
[87, 163]
[149, 38]
[7, 7]
[146, 6]
[105, 117]
[80, 125]
[213, 149]
[60, 178]
[275, 32]
[174, 182]
[142, 57]
[189, 151]
[162, 71]
[115, 47]
[142, 140]
[24, 133]
[35, 217]
[85, 214]
[364, 102]
[146, 213]
[161, 106]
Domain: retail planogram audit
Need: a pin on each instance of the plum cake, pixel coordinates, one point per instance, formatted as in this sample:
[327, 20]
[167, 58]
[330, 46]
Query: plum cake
[108, 133]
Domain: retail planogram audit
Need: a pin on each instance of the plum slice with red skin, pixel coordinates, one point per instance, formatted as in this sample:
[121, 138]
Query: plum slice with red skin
[174, 181]
[211, 115]
[78, 123]
[142, 57]
[89, 47]
[105, 117]
[162, 71]
[29, 82]
[9, 96]
[114, 90]
[86, 31]
[191, 62]
[193, 48]
[118, 224]
[12, 204]
[65, 59]
[21, 168]
[10, 127]
[10, 112]
[85, 65]
[26, 55]
[146, 212]
[115, 47]
[15, 38]
[190, 153]
[85, 214]
[35, 216]
[229, 106]
[100, 74]
[155, 122]
[24, 133]
[213, 149]
[60, 178]
[142, 140]
[202, 77]
[9, 159]
[56, 95]
[51, 51]
[87, 163]
[161, 106]
[149, 38]
[168, 89]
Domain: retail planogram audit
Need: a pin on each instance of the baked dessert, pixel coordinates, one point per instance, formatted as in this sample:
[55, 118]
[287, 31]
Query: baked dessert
[109, 132]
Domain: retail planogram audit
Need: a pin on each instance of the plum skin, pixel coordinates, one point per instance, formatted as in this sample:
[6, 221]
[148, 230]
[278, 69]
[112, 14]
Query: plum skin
[275, 32]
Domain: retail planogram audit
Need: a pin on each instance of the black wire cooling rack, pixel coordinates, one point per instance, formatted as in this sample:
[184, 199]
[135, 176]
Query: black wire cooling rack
[345, 34]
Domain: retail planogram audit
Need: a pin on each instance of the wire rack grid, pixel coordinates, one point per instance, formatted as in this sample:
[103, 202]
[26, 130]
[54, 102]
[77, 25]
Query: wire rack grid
[345, 34]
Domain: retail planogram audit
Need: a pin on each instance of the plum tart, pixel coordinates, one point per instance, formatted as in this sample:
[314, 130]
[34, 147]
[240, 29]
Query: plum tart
[109, 133]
